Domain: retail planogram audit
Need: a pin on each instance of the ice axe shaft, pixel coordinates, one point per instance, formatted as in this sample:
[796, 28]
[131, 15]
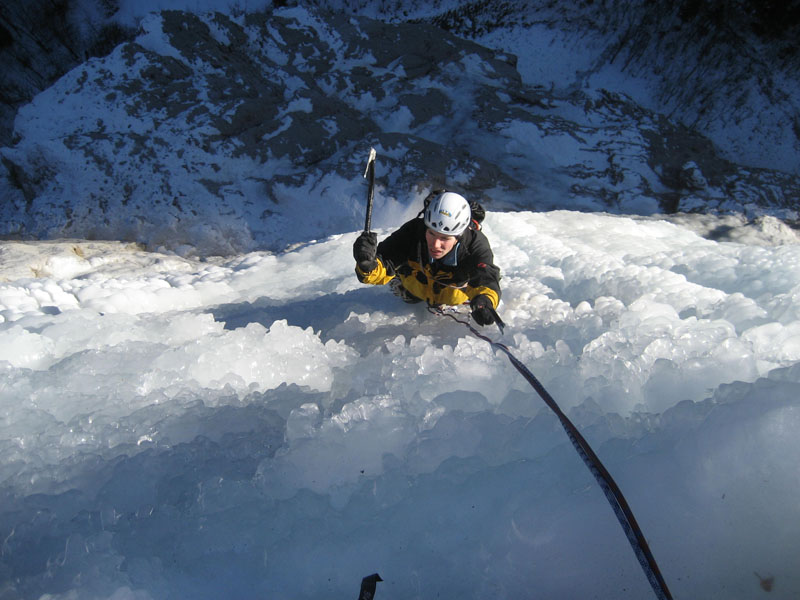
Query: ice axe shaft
[369, 173]
[500, 325]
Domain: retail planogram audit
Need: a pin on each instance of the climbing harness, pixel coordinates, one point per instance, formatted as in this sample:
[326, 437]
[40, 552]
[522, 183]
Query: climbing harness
[590, 459]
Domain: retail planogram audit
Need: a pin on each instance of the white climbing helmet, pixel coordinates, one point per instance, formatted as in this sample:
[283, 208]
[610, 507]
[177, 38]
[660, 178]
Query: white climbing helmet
[448, 213]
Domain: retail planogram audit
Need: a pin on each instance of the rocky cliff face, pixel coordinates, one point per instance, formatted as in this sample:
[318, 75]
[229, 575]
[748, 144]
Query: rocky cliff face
[40, 40]
[214, 130]
[730, 70]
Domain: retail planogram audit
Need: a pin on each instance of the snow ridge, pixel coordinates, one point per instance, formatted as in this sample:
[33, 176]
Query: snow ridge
[215, 131]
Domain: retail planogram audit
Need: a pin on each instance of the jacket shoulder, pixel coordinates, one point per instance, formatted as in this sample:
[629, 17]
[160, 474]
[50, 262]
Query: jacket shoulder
[403, 242]
[477, 243]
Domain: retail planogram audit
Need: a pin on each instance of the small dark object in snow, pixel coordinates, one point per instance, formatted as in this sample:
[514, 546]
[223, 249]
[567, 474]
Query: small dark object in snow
[765, 582]
[368, 585]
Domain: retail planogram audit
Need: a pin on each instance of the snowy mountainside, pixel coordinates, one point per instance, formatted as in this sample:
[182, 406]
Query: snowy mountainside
[212, 133]
[40, 40]
[738, 89]
[730, 70]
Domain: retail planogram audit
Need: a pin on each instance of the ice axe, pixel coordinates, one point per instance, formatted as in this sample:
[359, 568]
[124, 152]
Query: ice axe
[369, 174]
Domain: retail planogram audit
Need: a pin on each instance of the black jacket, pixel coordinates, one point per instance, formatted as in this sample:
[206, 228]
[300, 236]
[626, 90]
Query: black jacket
[465, 272]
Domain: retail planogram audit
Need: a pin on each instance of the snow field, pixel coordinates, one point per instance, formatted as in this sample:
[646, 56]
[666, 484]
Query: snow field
[265, 425]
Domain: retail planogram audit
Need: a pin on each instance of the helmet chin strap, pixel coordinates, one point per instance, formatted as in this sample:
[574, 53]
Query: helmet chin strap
[450, 259]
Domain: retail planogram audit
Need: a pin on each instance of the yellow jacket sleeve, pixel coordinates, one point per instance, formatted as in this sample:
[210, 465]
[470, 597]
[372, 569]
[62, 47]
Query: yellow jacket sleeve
[378, 276]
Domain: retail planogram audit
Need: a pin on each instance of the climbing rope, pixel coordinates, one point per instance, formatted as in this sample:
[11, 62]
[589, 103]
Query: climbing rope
[612, 492]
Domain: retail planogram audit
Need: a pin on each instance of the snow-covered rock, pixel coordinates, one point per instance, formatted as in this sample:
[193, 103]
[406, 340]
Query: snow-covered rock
[215, 131]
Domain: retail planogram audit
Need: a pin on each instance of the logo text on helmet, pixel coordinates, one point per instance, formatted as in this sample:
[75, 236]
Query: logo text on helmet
[445, 213]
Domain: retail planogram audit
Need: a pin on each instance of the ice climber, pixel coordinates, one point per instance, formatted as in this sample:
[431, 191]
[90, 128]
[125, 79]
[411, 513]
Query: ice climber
[441, 257]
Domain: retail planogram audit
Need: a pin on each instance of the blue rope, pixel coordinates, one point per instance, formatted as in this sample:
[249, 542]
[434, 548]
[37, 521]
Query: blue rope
[593, 463]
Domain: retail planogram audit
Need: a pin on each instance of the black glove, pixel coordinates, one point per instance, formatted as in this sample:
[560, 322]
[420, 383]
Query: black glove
[365, 251]
[482, 310]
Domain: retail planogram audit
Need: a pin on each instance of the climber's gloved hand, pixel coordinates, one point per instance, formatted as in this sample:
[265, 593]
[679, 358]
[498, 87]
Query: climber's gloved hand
[365, 251]
[482, 310]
